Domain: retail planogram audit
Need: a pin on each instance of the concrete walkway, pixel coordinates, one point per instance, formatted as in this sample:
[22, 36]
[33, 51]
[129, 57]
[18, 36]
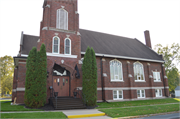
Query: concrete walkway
[85, 114]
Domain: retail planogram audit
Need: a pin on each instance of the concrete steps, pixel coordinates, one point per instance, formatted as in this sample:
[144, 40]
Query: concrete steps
[65, 103]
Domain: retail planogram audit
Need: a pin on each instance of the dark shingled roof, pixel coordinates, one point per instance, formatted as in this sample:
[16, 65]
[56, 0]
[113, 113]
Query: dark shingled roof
[28, 43]
[116, 45]
[104, 44]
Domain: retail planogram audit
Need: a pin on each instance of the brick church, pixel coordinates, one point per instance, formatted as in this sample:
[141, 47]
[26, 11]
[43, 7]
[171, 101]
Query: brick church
[127, 68]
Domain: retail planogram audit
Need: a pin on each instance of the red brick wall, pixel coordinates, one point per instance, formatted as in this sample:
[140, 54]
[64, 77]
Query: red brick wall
[14, 83]
[20, 97]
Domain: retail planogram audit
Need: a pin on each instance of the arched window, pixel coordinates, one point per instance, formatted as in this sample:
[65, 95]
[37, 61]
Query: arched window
[67, 46]
[116, 70]
[62, 19]
[138, 71]
[55, 46]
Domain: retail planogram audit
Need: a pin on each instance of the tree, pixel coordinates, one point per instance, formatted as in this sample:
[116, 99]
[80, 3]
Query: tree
[30, 84]
[86, 68]
[6, 74]
[36, 75]
[41, 73]
[170, 54]
[89, 84]
[173, 79]
[94, 78]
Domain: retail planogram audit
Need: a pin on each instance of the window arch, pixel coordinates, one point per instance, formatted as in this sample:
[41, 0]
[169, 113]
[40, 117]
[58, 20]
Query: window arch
[116, 72]
[67, 46]
[138, 71]
[62, 19]
[55, 45]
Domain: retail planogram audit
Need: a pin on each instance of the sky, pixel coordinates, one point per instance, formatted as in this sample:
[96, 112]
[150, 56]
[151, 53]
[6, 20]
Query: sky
[128, 18]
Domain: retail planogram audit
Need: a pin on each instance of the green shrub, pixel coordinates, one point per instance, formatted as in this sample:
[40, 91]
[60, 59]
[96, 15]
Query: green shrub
[30, 77]
[89, 84]
[36, 75]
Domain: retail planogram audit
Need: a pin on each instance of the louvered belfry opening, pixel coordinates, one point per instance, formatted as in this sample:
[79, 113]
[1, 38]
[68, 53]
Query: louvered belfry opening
[62, 19]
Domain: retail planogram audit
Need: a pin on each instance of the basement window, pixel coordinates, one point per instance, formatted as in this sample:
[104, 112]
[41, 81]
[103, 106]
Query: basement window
[140, 93]
[117, 94]
[158, 92]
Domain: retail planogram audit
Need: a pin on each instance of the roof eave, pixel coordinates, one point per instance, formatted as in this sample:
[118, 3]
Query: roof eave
[126, 57]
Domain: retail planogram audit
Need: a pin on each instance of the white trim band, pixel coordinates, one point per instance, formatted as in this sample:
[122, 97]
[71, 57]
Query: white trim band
[125, 57]
[20, 89]
[13, 90]
[127, 88]
[61, 55]
[55, 55]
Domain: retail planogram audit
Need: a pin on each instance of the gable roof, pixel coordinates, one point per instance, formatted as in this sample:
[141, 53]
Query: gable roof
[107, 44]
[29, 42]
[177, 88]
[104, 44]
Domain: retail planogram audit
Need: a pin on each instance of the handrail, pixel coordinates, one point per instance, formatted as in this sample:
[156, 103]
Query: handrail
[83, 97]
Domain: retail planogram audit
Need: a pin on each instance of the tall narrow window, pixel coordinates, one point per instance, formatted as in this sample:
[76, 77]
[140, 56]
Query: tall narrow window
[138, 72]
[62, 19]
[116, 70]
[55, 47]
[67, 46]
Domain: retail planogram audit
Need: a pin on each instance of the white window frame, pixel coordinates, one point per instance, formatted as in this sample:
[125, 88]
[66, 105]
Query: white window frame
[137, 69]
[117, 93]
[53, 45]
[155, 76]
[120, 79]
[140, 90]
[158, 92]
[58, 19]
[65, 46]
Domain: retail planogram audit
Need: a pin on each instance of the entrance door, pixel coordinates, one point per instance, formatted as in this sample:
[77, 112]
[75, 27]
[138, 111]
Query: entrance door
[61, 85]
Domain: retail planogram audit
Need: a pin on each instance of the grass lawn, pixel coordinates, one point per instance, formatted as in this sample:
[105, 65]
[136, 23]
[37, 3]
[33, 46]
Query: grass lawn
[134, 111]
[34, 115]
[135, 103]
[6, 106]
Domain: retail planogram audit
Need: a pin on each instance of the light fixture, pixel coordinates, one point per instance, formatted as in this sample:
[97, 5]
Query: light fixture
[47, 74]
[58, 81]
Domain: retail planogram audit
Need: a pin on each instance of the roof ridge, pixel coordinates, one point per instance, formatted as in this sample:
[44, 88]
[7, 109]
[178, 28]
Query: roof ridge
[107, 34]
[30, 35]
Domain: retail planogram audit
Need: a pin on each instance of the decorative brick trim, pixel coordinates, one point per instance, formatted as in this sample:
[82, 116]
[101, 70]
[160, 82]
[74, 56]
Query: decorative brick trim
[45, 28]
[130, 75]
[13, 90]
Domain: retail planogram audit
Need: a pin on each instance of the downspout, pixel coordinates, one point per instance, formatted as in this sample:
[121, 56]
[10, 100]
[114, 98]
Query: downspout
[102, 81]
[163, 80]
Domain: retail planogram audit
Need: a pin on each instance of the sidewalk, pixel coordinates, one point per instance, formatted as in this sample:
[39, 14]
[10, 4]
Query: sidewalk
[86, 113]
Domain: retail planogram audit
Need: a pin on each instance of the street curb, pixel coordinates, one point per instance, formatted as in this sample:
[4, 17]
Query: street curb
[132, 117]
[86, 115]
